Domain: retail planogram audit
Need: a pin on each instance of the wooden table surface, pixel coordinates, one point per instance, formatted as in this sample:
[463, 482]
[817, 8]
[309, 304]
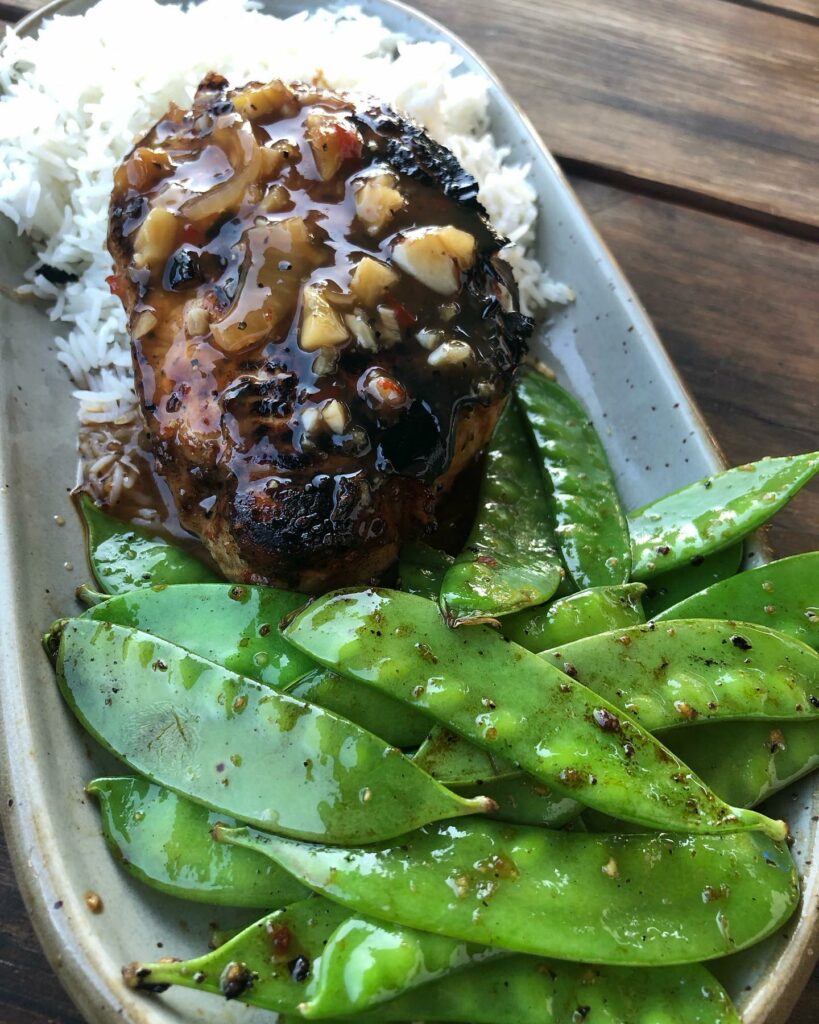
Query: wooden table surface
[691, 133]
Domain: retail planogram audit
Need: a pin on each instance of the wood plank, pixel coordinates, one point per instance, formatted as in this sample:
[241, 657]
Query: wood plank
[714, 98]
[807, 9]
[738, 309]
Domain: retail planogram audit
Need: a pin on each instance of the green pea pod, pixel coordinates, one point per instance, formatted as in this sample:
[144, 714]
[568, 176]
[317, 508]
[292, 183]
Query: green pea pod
[714, 513]
[782, 595]
[254, 968]
[422, 569]
[381, 715]
[585, 613]
[523, 800]
[671, 587]
[239, 747]
[367, 962]
[514, 704]
[267, 964]
[530, 990]
[164, 840]
[509, 561]
[446, 754]
[562, 894]
[694, 670]
[590, 525]
[236, 626]
[231, 625]
[746, 762]
[124, 557]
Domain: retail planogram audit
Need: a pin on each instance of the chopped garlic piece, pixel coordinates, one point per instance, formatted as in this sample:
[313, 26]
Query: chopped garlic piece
[361, 331]
[377, 200]
[451, 353]
[155, 239]
[143, 324]
[335, 415]
[436, 256]
[429, 338]
[321, 325]
[371, 279]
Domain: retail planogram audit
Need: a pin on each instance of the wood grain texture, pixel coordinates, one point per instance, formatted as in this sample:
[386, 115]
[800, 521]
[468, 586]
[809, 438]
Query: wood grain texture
[714, 98]
[738, 310]
[710, 102]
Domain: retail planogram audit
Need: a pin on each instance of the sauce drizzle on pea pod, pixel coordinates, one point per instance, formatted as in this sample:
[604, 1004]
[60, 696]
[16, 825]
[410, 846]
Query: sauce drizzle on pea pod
[219, 739]
[509, 561]
[124, 557]
[515, 704]
[714, 513]
[571, 896]
[590, 525]
[685, 671]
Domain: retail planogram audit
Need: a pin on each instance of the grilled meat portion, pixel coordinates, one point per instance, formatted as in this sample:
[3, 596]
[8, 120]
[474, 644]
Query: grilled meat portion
[323, 333]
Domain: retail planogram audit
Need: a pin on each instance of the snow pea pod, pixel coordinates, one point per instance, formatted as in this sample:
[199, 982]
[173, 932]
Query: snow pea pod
[422, 568]
[746, 762]
[509, 561]
[694, 670]
[523, 800]
[164, 840]
[368, 962]
[236, 626]
[239, 747]
[590, 525]
[514, 704]
[782, 595]
[267, 964]
[669, 588]
[585, 613]
[533, 990]
[562, 894]
[123, 556]
[714, 513]
[380, 714]
[230, 624]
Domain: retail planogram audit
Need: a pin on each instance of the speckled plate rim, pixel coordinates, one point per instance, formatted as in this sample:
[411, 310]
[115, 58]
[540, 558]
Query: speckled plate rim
[74, 952]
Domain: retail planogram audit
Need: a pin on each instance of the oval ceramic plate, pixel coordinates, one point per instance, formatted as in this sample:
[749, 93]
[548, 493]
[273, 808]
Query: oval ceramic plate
[600, 346]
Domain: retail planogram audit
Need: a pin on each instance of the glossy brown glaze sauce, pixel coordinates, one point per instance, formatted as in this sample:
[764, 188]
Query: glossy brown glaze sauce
[323, 334]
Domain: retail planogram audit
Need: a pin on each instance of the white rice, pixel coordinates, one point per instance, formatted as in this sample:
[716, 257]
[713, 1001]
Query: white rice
[76, 98]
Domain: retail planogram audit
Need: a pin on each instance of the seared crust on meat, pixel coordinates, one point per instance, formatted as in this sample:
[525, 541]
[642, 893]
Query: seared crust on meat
[323, 331]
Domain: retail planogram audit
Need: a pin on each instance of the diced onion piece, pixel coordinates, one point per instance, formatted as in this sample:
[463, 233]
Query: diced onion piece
[389, 328]
[333, 140]
[451, 353]
[377, 200]
[245, 157]
[280, 254]
[196, 319]
[436, 256]
[143, 169]
[335, 415]
[321, 325]
[156, 238]
[429, 338]
[276, 199]
[144, 324]
[268, 99]
[371, 279]
[360, 329]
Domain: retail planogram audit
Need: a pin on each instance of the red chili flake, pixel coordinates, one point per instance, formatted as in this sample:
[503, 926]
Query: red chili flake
[349, 142]
[280, 939]
[487, 560]
[193, 235]
[402, 314]
[116, 284]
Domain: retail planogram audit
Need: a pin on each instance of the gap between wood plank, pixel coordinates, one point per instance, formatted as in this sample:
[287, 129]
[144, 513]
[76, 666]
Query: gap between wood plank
[795, 14]
[689, 198]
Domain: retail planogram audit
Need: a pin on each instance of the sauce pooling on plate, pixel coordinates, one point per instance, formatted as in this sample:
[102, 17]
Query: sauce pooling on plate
[323, 332]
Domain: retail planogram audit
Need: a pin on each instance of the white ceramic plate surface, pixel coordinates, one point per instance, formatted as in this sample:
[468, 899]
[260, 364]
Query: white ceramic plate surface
[603, 347]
